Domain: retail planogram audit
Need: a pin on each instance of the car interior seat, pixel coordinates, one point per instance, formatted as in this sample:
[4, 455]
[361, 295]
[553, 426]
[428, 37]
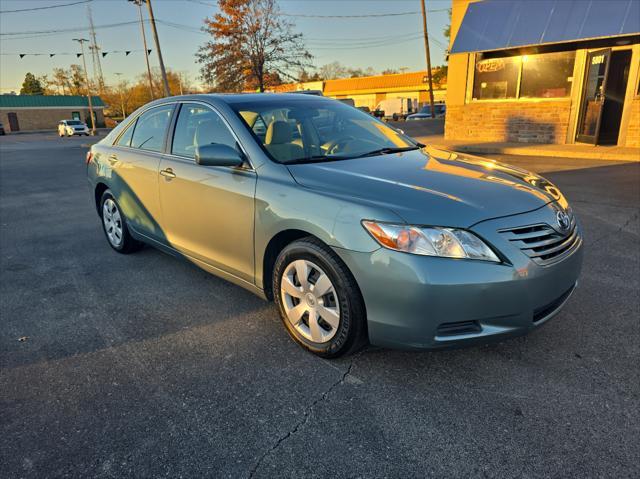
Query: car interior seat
[278, 142]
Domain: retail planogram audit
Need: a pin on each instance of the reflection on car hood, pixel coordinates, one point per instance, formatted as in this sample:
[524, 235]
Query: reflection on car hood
[432, 186]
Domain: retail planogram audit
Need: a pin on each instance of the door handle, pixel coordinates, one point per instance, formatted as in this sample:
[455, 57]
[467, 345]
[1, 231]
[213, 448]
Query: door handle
[113, 158]
[168, 173]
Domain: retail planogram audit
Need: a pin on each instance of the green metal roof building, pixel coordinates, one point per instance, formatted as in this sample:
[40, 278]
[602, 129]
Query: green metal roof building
[44, 112]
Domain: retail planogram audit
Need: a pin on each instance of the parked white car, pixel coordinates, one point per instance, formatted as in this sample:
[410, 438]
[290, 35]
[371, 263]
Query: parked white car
[72, 127]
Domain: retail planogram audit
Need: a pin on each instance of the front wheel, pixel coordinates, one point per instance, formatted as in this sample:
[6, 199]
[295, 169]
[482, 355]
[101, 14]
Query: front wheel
[318, 299]
[115, 226]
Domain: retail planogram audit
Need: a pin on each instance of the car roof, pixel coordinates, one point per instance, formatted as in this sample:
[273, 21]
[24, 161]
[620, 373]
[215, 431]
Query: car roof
[232, 98]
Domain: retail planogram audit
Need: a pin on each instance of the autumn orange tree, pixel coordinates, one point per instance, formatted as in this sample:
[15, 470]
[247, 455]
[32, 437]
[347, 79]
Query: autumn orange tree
[252, 47]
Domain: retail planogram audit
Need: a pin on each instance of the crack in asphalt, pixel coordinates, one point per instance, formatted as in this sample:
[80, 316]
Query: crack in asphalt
[305, 418]
[617, 230]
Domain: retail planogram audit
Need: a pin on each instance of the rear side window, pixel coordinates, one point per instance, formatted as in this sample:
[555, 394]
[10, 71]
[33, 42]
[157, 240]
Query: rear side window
[125, 138]
[151, 128]
[198, 125]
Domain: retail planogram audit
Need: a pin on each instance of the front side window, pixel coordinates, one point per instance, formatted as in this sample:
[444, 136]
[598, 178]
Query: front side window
[151, 128]
[547, 76]
[496, 78]
[199, 125]
[306, 130]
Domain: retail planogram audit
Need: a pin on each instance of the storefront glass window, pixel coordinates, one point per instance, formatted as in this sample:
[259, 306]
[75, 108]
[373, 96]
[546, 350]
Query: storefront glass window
[547, 76]
[496, 78]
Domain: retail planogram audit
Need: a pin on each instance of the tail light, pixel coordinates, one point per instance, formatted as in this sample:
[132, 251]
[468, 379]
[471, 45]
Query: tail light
[89, 156]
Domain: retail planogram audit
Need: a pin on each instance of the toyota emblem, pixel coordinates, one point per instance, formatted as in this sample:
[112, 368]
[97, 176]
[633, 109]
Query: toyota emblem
[563, 220]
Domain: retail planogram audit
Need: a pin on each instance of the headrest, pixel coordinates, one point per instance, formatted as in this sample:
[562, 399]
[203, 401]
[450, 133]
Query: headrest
[278, 132]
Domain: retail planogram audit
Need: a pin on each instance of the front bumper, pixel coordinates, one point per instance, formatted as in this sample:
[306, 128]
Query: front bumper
[422, 302]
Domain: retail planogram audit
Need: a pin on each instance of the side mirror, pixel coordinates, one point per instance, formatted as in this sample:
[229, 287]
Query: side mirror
[218, 155]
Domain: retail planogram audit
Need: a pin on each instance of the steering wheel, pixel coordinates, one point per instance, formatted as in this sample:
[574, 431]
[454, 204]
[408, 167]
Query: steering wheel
[337, 145]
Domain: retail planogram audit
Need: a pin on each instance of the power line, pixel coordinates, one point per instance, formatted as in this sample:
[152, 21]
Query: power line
[66, 30]
[308, 15]
[45, 8]
[369, 15]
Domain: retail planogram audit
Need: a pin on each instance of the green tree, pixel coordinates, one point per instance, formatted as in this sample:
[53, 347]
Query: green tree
[31, 85]
[252, 46]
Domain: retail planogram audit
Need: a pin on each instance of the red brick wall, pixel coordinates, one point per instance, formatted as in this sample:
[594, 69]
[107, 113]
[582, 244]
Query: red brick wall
[633, 130]
[513, 121]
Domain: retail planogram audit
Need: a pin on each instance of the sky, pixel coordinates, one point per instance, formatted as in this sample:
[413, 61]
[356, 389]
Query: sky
[378, 38]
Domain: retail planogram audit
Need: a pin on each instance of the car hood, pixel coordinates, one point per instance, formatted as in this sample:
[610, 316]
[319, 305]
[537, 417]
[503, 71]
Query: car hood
[432, 186]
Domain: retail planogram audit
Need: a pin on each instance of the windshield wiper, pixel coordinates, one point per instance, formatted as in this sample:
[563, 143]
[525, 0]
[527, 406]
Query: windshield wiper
[387, 151]
[317, 158]
[323, 158]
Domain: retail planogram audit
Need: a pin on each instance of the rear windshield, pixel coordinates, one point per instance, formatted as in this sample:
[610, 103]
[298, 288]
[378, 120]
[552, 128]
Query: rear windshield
[74, 122]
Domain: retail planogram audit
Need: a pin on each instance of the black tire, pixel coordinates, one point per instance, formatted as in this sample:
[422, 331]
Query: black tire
[128, 244]
[351, 332]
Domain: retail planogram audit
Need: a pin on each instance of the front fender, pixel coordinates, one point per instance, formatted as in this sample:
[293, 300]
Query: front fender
[284, 205]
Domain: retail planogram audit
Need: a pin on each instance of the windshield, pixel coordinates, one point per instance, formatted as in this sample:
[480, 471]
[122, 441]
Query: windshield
[73, 122]
[309, 130]
[438, 109]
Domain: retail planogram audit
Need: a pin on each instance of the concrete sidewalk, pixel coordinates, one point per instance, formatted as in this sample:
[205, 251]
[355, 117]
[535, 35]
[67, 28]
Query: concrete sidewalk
[578, 151]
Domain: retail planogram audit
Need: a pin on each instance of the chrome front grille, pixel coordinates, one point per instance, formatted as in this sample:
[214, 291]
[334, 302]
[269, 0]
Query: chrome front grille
[542, 243]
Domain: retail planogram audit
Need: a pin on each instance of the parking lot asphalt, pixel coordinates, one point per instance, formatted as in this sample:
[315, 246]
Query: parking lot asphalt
[146, 366]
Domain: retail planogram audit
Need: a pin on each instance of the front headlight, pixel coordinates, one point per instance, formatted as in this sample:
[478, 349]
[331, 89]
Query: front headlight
[430, 241]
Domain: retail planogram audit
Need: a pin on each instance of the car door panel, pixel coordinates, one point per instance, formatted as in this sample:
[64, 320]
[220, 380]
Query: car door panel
[133, 165]
[135, 186]
[207, 211]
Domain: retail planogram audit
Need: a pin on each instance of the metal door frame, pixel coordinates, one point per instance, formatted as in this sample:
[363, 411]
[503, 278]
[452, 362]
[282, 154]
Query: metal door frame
[583, 104]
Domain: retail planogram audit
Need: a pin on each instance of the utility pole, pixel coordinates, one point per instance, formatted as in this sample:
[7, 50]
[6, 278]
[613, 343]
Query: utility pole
[86, 76]
[144, 42]
[124, 113]
[165, 82]
[95, 53]
[426, 48]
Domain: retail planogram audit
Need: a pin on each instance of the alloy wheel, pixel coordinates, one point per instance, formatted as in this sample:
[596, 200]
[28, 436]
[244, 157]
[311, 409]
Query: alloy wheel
[112, 222]
[310, 301]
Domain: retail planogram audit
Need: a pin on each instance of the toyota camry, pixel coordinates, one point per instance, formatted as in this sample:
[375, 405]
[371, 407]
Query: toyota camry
[357, 232]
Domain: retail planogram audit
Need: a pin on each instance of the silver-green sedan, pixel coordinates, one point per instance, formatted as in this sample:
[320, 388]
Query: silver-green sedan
[357, 232]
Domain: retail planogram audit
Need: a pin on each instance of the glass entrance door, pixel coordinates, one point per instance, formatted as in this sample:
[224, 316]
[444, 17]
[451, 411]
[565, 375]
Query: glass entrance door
[593, 96]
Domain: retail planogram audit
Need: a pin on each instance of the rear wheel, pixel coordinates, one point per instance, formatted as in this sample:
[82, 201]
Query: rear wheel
[115, 226]
[318, 299]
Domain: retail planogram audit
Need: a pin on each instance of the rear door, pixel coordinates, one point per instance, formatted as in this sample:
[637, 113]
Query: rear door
[207, 211]
[134, 161]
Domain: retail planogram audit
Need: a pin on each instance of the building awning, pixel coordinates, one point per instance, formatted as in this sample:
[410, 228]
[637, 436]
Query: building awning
[501, 24]
[49, 101]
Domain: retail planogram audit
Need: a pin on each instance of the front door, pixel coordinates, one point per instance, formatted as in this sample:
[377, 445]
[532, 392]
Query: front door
[13, 122]
[207, 211]
[593, 96]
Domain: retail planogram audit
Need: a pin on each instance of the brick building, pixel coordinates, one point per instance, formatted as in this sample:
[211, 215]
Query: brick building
[557, 71]
[371, 90]
[43, 112]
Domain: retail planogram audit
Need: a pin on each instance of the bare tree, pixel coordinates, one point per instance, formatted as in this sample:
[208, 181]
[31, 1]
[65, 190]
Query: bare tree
[252, 47]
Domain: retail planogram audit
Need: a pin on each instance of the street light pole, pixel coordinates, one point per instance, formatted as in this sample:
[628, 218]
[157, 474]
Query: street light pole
[144, 42]
[86, 76]
[426, 48]
[165, 82]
